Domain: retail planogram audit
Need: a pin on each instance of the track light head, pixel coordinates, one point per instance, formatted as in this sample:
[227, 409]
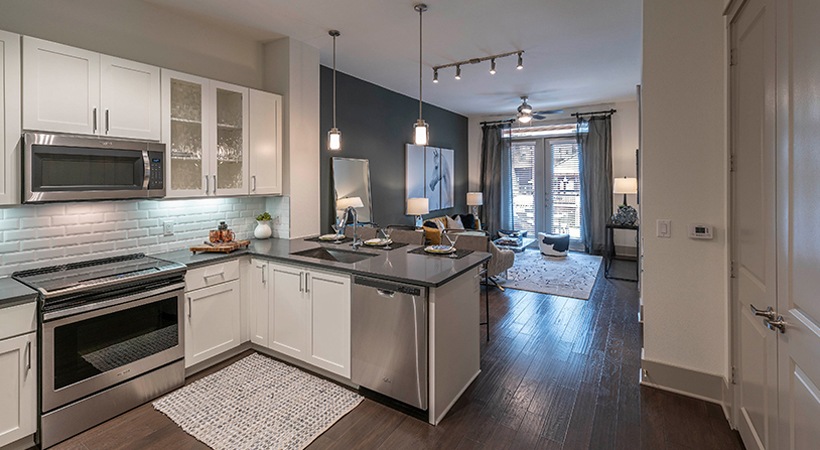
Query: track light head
[435, 75]
[458, 72]
[520, 61]
[492, 66]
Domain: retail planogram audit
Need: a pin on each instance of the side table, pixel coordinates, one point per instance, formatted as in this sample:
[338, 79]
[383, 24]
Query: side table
[609, 249]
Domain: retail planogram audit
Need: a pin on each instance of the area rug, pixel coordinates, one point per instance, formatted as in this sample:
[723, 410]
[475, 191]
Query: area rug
[258, 403]
[572, 276]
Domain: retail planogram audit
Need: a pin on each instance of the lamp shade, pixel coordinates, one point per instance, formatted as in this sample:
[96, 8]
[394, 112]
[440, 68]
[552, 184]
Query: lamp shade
[625, 186]
[417, 206]
[345, 202]
[475, 198]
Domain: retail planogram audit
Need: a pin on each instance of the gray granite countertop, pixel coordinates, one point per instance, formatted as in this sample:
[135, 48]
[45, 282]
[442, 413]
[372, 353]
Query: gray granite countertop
[395, 265]
[13, 293]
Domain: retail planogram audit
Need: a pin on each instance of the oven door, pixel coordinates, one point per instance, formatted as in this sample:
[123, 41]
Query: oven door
[94, 349]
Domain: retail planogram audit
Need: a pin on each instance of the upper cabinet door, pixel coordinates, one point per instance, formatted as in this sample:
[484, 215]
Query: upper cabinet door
[229, 138]
[129, 99]
[185, 119]
[61, 87]
[265, 131]
[9, 118]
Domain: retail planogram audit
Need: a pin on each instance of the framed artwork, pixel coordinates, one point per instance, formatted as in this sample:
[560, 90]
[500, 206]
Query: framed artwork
[432, 173]
[447, 163]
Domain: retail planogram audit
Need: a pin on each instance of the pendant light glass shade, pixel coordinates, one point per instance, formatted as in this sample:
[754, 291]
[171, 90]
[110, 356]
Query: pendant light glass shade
[421, 131]
[334, 136]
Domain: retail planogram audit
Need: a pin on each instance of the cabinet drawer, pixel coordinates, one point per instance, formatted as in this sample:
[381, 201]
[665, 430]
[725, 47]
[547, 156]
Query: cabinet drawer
[212, 275]
[17, 320]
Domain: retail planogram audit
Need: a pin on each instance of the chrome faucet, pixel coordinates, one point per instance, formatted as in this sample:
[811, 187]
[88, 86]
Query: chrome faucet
[357, 242]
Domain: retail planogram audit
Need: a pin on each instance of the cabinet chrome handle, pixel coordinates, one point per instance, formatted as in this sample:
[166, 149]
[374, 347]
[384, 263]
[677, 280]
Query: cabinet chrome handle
[28, 356]
[263, 273]
[768, 313]
[778, 324]
[94, 118]
[301, 289]
[307, 282]
[207, 185]
[107, 122]
[189, 306]
[218, 274]
[214, 184]
[253, 179]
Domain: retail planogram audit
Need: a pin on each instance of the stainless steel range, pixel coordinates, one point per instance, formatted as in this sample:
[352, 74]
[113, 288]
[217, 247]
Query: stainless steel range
[111, 339]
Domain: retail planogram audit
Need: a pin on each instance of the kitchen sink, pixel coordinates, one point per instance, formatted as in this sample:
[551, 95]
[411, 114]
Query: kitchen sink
[332, 254]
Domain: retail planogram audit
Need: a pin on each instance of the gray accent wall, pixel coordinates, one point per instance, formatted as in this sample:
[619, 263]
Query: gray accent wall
[376, 124]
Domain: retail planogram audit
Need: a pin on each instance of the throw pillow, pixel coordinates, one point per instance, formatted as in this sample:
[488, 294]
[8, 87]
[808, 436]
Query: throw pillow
[468, 220]
[455, 223]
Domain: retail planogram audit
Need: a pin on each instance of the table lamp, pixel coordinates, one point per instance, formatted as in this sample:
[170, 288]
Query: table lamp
[625, 186]
[417, 207]
[345, 202]
[474, 200]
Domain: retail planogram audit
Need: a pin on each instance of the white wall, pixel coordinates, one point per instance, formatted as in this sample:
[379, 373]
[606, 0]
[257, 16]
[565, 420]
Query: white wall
[140, 31]
[34, 236]
[684, 179]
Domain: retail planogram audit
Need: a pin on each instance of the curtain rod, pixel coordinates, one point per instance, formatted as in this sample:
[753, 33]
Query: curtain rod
[495, 122]
[610, 112]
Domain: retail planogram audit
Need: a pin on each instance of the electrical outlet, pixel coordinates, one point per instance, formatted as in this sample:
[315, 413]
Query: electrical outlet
[168, 228]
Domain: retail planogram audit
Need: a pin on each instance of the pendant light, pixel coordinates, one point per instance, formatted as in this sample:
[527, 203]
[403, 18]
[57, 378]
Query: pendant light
[421, 134]
[334, 136]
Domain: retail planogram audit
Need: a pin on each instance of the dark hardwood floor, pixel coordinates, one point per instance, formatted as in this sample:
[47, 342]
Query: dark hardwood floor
[558, 373]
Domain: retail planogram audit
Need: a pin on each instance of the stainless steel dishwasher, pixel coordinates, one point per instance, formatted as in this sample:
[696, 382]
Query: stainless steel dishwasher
[389, 339]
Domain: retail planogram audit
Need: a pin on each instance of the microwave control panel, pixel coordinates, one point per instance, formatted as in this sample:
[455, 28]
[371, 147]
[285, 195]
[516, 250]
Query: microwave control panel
[157, 173]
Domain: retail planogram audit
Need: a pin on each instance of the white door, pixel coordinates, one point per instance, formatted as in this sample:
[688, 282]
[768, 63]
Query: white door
[212, 323]
[330, 322]
[229, 139]
[259, 301]
[18, 387]
[9, 118]
[753, 221]
[61, 88]
[799, 221]
[129, 99]
[290, 312]
[185, 115]
[265, 150]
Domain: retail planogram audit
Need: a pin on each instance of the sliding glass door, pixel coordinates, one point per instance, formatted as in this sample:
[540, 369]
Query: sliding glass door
[546, 186]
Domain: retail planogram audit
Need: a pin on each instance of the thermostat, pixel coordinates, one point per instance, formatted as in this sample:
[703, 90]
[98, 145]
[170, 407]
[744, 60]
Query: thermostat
[700, 231]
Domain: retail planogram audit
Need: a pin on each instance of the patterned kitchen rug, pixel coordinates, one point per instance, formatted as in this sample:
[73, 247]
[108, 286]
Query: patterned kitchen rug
[258, 403]
[571, 276]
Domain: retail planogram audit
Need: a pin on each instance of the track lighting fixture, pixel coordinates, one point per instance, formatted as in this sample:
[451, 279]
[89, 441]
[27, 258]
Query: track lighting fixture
[334, 136]
[490, 58]
[421, 131]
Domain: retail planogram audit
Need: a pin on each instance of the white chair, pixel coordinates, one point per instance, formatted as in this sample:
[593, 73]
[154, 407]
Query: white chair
[553, 244]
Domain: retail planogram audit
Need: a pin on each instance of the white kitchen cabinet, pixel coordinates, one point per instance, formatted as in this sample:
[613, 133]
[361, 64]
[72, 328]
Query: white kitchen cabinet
[310, 317]
[10, 110]
[71, 90]
[259, 310]
[265, 152]
[18, 372]
[229, 139]
[212, 323]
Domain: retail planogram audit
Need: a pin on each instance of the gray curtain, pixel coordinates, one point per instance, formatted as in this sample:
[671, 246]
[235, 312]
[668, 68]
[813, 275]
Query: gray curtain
[497, 188]
[595, 147]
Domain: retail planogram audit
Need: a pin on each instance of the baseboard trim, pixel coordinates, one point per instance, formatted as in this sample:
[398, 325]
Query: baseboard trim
[700, 385]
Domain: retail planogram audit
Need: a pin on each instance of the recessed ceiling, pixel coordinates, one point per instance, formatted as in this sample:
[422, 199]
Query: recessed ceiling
[577, 52]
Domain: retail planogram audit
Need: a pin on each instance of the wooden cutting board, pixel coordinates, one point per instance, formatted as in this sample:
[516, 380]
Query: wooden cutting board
[220, 248]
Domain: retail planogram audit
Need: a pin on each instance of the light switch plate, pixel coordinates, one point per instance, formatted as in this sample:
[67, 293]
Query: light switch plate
[168, 228]
[664, 228]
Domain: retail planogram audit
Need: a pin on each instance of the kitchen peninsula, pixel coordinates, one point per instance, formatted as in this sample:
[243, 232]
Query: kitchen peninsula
[299, 308]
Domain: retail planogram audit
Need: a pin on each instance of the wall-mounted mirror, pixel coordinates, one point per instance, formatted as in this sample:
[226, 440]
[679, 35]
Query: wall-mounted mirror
[351, 178]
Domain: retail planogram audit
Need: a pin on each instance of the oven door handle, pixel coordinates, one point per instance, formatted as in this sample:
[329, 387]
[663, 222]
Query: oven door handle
[108, 303]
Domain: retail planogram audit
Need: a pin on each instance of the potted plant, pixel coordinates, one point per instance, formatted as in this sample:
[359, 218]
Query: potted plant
[263, 230]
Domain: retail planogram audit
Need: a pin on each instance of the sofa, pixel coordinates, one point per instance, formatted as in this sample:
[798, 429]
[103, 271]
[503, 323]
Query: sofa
[434, 226]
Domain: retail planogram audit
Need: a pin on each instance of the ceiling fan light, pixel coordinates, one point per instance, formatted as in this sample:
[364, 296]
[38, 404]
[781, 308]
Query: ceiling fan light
[334, 139]
[421, 133]
[524, 118]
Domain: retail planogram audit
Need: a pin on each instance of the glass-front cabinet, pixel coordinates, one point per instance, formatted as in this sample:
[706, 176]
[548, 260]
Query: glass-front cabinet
[205, 129]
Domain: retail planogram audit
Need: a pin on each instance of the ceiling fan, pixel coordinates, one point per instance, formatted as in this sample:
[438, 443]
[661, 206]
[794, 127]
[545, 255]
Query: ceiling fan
[526, 114]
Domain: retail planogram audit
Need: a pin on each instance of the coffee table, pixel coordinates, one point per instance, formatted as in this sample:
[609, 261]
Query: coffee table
[523, 243]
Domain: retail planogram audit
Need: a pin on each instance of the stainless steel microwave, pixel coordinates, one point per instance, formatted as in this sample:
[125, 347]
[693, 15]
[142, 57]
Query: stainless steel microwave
[59, 168]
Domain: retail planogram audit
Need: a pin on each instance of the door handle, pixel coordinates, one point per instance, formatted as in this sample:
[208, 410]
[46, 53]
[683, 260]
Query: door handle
[778, 323]
[107, 122]
[253, 180]
[94, 118]
[28, 356]
[214, 184]
[189, 306]
[769, 313]
[207, 185]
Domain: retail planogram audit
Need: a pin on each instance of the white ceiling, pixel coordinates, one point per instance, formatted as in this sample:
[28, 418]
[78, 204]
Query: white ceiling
[577, 52]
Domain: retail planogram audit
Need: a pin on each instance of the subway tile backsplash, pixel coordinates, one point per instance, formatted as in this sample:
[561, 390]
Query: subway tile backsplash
[33, 236]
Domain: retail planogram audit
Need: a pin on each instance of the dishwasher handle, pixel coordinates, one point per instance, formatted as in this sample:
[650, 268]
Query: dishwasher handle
[385, 293]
